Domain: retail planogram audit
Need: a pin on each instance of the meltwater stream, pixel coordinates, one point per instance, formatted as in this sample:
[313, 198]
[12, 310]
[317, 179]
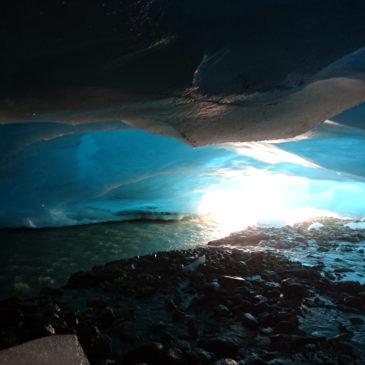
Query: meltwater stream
[32, 259]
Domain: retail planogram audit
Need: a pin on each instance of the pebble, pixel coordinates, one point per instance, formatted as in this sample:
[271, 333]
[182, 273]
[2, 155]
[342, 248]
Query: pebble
[249, 320]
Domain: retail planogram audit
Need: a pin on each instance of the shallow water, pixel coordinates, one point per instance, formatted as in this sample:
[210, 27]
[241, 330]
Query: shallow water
[30, 259]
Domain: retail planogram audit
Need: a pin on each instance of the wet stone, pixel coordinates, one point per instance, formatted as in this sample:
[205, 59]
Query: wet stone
[48, 330]
[102, 346]
[149, 352]
[225, 362]
[249, 321]
[223, 345]
[221, 311]
[356, 321]
[175, 356]
[291, 288]
[232, 281]
[199, 356]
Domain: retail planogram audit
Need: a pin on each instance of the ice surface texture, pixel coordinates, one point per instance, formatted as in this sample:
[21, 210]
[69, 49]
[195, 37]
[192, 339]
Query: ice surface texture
[54, 175]
[211, 71]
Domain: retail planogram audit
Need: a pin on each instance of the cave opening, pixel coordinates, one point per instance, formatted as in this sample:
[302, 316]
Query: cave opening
[182, 183]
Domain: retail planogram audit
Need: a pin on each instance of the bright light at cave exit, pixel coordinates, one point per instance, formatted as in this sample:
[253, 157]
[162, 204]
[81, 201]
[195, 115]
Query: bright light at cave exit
[259, 198]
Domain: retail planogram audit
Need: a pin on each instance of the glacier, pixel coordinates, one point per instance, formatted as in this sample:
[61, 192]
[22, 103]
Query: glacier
[53, 174]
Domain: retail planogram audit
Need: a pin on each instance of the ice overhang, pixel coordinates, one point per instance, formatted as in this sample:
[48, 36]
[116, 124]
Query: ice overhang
[206, 73]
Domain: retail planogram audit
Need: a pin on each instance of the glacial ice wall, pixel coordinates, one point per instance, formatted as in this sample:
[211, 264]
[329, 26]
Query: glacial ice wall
[54, 175]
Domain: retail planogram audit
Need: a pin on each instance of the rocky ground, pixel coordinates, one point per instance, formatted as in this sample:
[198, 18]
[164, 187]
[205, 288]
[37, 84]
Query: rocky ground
[336, 246]
[226, 303]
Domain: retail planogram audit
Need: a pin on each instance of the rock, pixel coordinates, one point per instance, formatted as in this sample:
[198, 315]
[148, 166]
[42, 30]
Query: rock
[199, 356]
[102, 346]
[214, 285]
[195, 264]
[354, 302]
[145, 291]
[240, 239]
[263, 341]
[260, 299]
[174, 356]
[342, 347]
[60, 326]
[86, 333]
[342, 328]
[148, 352]
[356, 321]
[350, 287]
[170, 305]
[232, 281]
[9, 312]
[97, 302]
[256, 361]
[293, 289]
[48, 330]
[125, 330]
[286, 322]
[107, 362]
[249, 321]
[82, 280]
[270, 275]
[51, 291]
[225, 362]
[223, 345]
[344, 359]
[286, 327]
[305, 273]
[341, 270]
[281, 361]
[280, 245]
[192, 328]
[221, 311]
[107, 316]
[177, 315]
[51, 350]
[254, 238]
[287, 342]
[71, 319]
[255, 279]
[266, 331]
[244, 305]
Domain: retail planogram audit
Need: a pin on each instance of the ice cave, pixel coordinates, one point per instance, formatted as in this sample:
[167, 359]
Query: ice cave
[58, 176]
[182, 182]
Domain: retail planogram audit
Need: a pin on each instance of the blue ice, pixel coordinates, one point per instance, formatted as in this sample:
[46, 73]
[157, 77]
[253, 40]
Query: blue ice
[55, 175]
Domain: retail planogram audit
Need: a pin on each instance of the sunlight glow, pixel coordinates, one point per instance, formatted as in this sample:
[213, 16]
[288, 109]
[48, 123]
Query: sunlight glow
[261, 198]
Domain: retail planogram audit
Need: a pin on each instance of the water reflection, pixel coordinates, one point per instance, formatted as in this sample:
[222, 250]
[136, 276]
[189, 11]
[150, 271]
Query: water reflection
[30, 259]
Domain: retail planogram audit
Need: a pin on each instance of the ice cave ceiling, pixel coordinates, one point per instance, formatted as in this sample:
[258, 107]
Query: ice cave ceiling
[203, 71]
[99, 113]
